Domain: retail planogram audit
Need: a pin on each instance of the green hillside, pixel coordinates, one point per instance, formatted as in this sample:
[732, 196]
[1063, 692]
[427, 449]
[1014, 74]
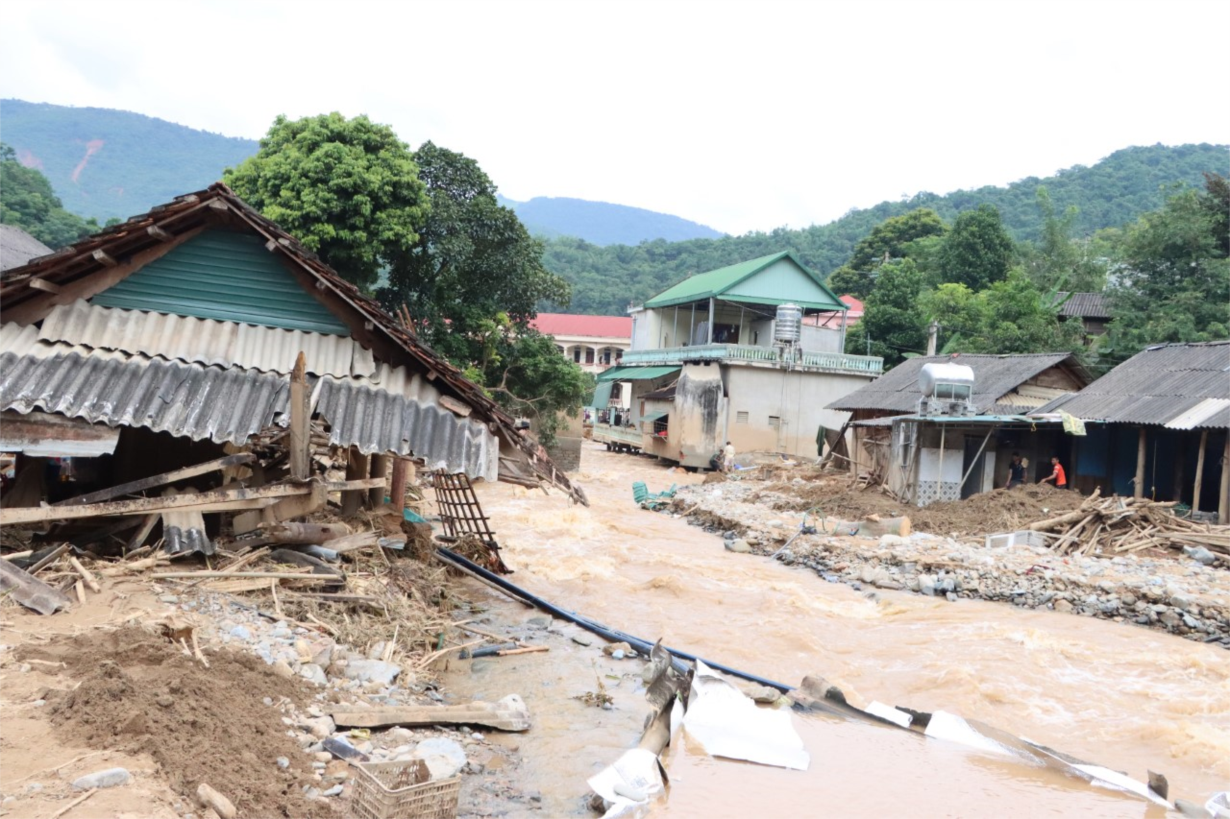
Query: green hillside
[104, 163]
[1111, 193]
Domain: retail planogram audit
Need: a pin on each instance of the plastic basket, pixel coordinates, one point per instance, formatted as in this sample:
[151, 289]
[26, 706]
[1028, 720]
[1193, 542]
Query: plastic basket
[403, 790]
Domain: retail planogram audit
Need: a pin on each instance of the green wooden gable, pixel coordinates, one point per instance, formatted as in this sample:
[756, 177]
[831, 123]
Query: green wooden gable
[225, 276]
[775, 279]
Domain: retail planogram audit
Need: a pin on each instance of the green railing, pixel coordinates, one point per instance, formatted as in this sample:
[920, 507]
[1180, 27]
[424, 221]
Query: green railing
[833, 362]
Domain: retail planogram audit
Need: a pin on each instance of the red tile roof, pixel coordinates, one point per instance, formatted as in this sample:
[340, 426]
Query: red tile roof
[566, 324]
[834, 319]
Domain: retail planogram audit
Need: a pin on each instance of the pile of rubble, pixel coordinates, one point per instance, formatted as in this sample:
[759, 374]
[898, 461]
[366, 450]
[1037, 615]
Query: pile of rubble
[1175, 581]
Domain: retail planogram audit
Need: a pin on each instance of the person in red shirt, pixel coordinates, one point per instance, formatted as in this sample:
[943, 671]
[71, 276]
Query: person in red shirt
[1057, 475]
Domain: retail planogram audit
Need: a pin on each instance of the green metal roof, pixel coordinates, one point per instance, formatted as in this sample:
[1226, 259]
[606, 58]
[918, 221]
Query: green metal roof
[602, 395]
[225, 276]
[653, 416]
[785, 280]
[636, 373]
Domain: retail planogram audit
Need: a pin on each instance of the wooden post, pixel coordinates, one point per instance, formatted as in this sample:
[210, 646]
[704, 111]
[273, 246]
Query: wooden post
[397, 486]
[1199, 485]
[300, 431]
[1141, 452]
[356, 469]
[380, 469]
[1223, 499]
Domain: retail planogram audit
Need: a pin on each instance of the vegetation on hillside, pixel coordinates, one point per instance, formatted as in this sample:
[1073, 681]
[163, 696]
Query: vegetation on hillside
[27, 202]
[104, 163]
[1112, 193]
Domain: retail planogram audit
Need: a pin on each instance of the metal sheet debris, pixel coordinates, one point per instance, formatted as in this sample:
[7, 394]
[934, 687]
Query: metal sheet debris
[730, 725]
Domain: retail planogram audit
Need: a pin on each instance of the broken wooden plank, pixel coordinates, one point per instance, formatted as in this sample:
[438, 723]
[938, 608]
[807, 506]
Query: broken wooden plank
[491, 715]
[165, 478]
[85, 574]
[350, 543]
[29, 591]
[47, 560]
[294, 532]
[143, 531]
[300, 422]
[364, 483]
[217, 500]
[308, 576]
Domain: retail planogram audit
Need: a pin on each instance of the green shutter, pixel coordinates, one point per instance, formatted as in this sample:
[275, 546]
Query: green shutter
[225, 276]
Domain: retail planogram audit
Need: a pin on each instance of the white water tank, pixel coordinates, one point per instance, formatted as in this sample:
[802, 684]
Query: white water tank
[789, 324]
[946, 381]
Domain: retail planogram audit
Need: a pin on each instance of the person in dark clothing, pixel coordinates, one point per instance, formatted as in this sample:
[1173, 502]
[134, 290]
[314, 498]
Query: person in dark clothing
[1016, 472]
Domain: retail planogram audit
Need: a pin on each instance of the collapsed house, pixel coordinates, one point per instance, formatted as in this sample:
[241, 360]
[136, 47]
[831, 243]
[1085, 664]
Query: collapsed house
[730, 355]
[173, 338]
[929, 440]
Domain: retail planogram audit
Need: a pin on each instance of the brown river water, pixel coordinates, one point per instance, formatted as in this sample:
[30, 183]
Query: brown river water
[1109, 693]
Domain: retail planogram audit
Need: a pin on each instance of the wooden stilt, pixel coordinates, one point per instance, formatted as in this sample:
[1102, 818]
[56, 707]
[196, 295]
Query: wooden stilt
[1141, 452]
[1199, 485]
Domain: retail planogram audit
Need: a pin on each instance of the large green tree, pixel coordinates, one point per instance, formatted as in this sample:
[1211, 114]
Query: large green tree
[1057, 260]
[1009, 317]
[892, 324]
[471, 283]
[348, 189]
[894, 238]
[28, 202]
[977, 252]
[1171, 281]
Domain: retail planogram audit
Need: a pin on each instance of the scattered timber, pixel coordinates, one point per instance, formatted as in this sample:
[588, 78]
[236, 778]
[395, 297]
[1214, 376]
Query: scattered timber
[491, 715]
[1118, 525]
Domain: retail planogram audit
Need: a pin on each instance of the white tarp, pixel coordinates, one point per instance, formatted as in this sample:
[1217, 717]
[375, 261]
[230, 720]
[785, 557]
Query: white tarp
[728, 724]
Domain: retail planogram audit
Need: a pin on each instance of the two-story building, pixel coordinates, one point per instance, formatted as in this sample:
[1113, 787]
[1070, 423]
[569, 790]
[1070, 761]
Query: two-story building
[593, 342]
[729, 355]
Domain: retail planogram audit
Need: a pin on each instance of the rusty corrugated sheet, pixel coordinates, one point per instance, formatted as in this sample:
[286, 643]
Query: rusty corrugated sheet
[375, 420]
[205, 341]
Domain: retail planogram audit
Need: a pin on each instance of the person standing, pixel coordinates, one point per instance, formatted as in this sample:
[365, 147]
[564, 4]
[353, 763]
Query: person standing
[1057, 474]
[728, 457]
[1016, 472]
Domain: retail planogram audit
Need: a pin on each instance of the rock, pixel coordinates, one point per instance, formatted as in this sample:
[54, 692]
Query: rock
[376, 651]
[444, 757]
[539, 623]
[763, 693]
[610, 649]
[1063, 605]
[1200, 555]
[319, 727]
[313, 673]
[886, 581]
[322, 756]
[336, 790]
[1170, 619]
[372, 671]
[617, 654]
[108, 778]
[1181, 601]
[241, 633]
[926, 584]
[398, 735]
[582, 639]
[738, 545]
[283, 762]
[952, 597]
[283, 669]
[212, 799]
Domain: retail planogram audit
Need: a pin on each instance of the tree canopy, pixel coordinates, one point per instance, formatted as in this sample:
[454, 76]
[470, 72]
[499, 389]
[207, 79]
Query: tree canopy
[347, 189]
[977, 252]
[891, 239]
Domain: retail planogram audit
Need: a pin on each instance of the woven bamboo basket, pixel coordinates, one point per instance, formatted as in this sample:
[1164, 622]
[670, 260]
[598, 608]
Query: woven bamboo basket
[403, 790]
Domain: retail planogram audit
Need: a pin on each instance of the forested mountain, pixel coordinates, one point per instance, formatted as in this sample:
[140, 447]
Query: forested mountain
[104, 163]
[1112, 193]
[602, 223]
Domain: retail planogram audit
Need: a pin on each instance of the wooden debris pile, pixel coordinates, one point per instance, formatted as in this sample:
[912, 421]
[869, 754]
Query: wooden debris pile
[1108, 527]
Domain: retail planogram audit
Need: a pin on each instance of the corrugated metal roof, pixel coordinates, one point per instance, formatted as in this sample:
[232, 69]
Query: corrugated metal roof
[1199, 414]
[636, 373]
[715, 283]
[1159, 385]
[205, 341]
[994, 377]
[397, 414]
[18, 247]
[1083, 305]
[186, 400]
[379, 421]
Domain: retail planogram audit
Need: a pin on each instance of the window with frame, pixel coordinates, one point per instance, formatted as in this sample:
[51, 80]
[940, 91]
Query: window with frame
[741, 418]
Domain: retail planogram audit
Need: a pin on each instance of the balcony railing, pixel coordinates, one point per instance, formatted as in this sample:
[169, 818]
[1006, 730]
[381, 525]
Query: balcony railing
[831, 362]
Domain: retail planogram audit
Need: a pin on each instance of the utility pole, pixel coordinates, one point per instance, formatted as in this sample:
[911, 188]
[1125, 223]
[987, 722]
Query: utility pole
[933, 332]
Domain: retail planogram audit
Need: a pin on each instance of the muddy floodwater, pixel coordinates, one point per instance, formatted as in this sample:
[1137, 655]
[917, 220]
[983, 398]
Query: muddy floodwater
[1124, 697]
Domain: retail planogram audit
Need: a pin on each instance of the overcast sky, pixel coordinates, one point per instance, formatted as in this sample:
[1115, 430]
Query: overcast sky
[740, 115]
